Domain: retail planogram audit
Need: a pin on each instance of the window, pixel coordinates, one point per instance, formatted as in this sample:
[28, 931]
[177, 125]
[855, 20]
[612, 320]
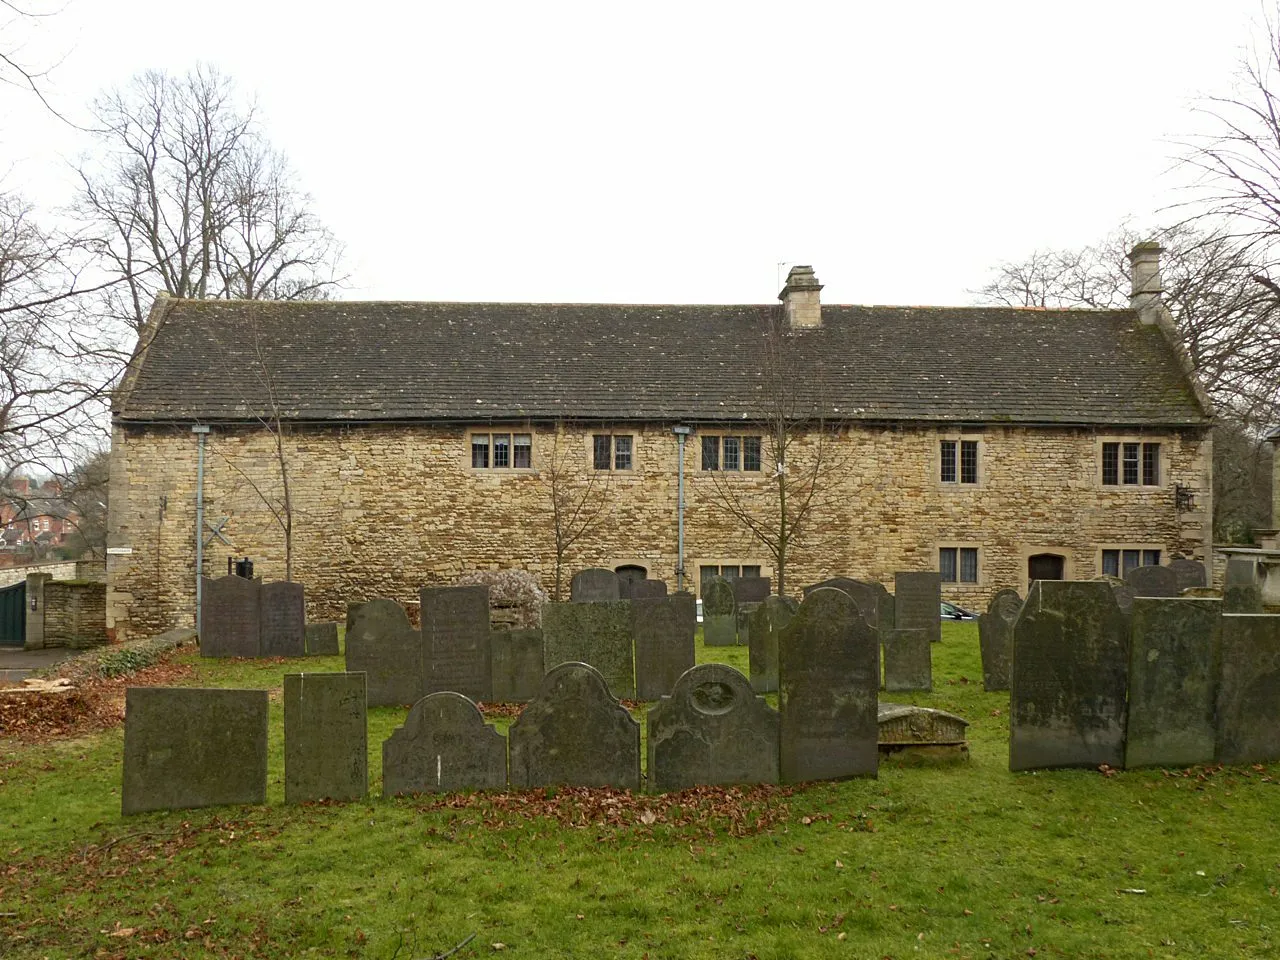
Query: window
[1131, 464]
[734, 453]
[609, 452]
[501, 451]
[1118, 562]
[958, 564]
[959, 461]
[730, 571]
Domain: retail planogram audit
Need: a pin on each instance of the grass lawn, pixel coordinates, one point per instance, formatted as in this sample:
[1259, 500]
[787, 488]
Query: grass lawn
[964, 860]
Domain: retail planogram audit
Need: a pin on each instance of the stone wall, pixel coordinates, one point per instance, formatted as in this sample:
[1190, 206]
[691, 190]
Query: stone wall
[75, 613]
[63, 570]
[382, 510]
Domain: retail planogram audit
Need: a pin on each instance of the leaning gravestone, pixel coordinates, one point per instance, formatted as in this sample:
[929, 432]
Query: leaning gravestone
[574, 733]
[444, 745]
[594, 585]
[712, 730]
[828, 682]
[908, 663]
[1070, 674]
[719, 613]
[1249, 689]
[751, 589]
[596, 633]
[229, 616]
[1242, 587]
[193, 748]
[1189, 574]
[647, 589]
[767, 622]
[517, 665]
[455, 641]
[663, 628]
[1152, 581]
[918, 603]
[1172, 675]
[995, 638]
[322, 639]
[382, 646]
[326, 749]
[282, 622]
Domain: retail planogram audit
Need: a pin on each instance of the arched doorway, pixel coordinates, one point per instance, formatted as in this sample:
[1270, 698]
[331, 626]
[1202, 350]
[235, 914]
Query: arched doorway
[1046, 566]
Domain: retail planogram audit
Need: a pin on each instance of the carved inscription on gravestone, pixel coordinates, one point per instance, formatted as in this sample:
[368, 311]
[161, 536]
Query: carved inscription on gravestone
[1069, 679]
[597, 633]
[829, 679]
[663, 628]
[193, 748]
[995, 638]
[908, 663]
[767, 623]
[455, 641]
[382, 646]
[444, 745]
[326, 749]
[719, 613]
[918, 603]
[713, 729]
[322, 639]
[1172, 681]
[229, 617]
[575, 733]
[1189, 574]
[283, 619]
[1249, 690]
[517, 664]
[594, 585]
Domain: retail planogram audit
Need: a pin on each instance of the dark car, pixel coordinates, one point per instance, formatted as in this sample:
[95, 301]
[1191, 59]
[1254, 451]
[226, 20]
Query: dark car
[951, 612]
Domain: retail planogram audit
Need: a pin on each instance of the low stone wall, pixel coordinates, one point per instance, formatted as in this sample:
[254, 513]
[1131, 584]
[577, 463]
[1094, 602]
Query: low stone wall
[66, 570]
[75, 613]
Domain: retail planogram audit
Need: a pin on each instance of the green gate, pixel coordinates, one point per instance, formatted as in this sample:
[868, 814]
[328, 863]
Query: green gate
[13, 615]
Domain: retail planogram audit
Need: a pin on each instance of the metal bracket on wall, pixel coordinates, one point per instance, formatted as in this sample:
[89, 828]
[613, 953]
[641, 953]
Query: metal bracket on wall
[217, 532]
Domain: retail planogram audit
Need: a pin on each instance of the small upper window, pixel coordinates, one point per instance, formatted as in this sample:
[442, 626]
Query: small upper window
[1131, 464]
[734, 453]
[501, 451]
[611, 452]
[959, 460]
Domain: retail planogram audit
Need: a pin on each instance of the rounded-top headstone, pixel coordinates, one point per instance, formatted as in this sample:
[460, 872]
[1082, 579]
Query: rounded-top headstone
[1152, 581]
[595, 584]
[1189, 573]
[444, 745]
[718, 598]
[1006, 604]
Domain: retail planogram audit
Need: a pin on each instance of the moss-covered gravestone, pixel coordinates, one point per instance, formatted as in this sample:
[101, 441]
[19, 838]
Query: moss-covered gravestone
[917, 599]
[1249, 690]
[517, 664]
[908, 660]
[1153, 581]
[456, 650]
[663, 629]
[283, 620]
[995, 638]
[597, 633]
[444, 745]
[387, 650]
[322, 639]
[767, 623]
[230, 609]
[595, 585]
[1190, 574]
[719, 613]
[326, 744]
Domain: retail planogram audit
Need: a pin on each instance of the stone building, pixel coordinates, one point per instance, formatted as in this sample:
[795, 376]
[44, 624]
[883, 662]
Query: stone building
[405, 443]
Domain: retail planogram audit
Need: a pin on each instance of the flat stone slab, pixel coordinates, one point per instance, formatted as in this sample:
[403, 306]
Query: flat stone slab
[282, 622]
[575, 733]
[187, 748]
[229, 617]
[1172, 681]
[908, 661]
[719, 613]
[595, 585]
[829, 680]
[444, 745]
[517, 665]
[322, 639]
[597, 633]
[456, 652]
[387, 650]
[918, 602]
[767, 623]
[663, 629]
[712, 730]
[1069, 678]
[326, 742]
[1249, 689]
[995, 638]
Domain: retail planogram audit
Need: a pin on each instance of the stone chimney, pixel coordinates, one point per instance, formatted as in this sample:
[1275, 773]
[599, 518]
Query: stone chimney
[1146, 285]
[800, 299]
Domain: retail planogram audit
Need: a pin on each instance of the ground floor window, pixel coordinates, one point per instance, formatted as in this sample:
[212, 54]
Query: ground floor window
[958, 564]
[730, 571]
[1118, 562]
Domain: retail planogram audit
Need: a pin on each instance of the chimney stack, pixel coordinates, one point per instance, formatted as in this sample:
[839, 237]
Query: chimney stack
[800, 299]
[1146, 285]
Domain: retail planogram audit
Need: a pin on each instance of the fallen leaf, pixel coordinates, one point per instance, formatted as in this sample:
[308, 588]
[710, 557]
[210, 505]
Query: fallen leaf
[124, 932]
[839, 865]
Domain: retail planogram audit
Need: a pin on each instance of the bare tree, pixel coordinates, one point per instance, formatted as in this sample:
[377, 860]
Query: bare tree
[189, 197]
[802, 459]
[577, 496]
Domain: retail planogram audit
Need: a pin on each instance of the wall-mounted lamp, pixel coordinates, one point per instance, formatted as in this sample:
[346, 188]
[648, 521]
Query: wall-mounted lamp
[1184, 498]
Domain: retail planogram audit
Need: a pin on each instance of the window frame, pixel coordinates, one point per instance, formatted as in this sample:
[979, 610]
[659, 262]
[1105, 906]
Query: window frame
[1143, 462]
[1141, 549]
[611, 438]
[515, 435]
[763, 568]
[958, 441]
[747, 446]
[960, 547]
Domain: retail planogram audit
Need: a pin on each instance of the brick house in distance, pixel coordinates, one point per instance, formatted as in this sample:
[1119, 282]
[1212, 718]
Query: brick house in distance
[991, 443]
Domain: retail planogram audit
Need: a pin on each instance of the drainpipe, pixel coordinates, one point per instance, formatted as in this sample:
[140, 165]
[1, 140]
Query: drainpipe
[201, 431]
[681, 432]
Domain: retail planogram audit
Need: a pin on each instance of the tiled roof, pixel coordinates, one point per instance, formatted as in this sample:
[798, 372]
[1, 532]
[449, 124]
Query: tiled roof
[354, 362]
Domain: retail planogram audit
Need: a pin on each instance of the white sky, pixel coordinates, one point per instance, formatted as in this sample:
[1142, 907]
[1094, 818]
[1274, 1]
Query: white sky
[656, 152]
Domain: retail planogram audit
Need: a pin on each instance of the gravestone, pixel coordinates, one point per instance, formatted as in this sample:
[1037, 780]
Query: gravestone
[455, 641]
[1189, 574]
[875, 602]
[742, 626]
[1249, 689]
[575, 733]
[594, 585]
[229, 617]
[648, 589]
[444, 745]
[751, 589]
[282, 622]
[828, 680]
[1070, 674]
[711, 730]
[1172, 677]
[382, 646]
[908, 663]
[322, 639]
[596, 633]
[767, 621]
[517, 665]
[995, 638]
[326, 748]
[840, 583]
[719, 613]
[1242, 586]
[193, 748]
[1152, 581]
[918, 603]
[663, 629]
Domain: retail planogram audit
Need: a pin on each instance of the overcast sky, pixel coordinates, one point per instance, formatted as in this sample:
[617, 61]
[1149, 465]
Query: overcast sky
[654, 152]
